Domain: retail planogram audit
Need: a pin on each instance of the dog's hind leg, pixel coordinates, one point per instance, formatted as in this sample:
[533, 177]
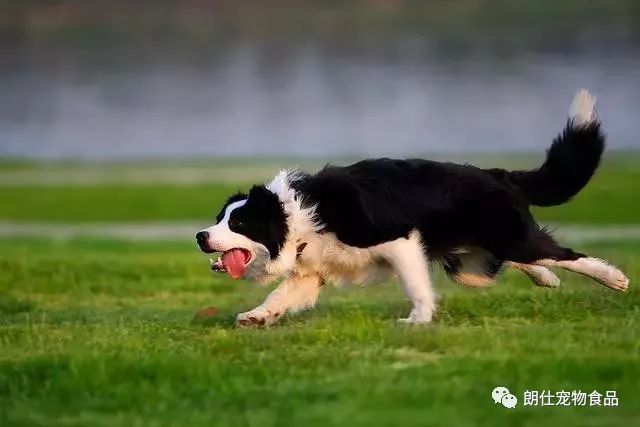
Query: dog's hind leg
[477, 268]
[597, 269]
[541, 249]
[292, 295]
[473, 267]
[539, 275]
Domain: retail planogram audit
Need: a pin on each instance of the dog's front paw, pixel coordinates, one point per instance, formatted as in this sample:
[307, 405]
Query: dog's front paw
[256, 317]
[417, 317]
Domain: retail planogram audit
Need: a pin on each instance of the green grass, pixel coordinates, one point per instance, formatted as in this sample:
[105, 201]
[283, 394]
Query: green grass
[100, 333]
[114, 203]
[612, 197]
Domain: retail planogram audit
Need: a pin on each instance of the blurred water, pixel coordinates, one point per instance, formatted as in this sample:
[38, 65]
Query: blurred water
[406, 96]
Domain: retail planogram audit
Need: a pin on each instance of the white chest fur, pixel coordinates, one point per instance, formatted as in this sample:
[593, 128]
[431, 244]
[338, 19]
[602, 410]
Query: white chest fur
[339, 263]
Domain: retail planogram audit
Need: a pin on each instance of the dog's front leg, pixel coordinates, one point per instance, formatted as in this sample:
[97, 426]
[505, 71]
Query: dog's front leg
[408, 259]
[292, 295]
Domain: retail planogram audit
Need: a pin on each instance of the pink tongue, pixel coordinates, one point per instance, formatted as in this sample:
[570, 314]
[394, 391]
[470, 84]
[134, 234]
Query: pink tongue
[233, 262]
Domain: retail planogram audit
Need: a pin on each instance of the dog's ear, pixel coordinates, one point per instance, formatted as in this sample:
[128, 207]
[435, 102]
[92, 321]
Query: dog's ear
[267, 208]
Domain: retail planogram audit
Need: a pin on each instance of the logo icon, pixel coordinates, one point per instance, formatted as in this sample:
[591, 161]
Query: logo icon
[503, 396]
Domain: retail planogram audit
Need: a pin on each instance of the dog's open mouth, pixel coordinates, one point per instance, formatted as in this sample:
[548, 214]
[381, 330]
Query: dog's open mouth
[234, 262]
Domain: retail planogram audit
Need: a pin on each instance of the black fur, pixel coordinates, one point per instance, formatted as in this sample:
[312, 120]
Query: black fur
[452, 206]
[571, 161]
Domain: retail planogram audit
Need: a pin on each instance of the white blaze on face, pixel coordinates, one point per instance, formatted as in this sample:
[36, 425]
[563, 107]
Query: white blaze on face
[221, 238]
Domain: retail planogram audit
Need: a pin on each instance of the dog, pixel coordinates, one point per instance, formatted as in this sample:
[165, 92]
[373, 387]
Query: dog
[380, 218]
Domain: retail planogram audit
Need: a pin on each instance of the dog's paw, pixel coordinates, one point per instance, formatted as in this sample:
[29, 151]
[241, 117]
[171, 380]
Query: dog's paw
[256, 317]
[544, 277]
[604, 273]
[417, 317]
[616, 280]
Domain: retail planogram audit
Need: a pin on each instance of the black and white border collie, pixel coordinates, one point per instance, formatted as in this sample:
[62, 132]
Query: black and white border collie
[378, 218]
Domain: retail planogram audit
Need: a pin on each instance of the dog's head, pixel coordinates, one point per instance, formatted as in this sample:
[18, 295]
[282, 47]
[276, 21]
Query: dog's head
[256, 233]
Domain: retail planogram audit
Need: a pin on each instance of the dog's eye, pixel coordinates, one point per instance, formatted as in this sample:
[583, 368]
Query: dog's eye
[235, 223]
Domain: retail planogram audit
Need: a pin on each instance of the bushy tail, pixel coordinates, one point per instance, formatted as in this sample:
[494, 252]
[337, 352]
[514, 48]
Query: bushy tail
[571, 160]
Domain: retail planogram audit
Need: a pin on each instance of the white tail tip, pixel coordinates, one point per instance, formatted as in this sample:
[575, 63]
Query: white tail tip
[582, 112]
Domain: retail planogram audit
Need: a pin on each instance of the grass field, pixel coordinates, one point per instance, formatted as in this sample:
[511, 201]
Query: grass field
[98, 332]
[157, 192]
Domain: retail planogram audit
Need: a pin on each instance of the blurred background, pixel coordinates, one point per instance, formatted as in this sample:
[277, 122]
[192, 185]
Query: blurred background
[122, 80]
[126, 124]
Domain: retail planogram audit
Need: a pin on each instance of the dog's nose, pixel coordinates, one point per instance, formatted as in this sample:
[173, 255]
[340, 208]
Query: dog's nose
[202, 237]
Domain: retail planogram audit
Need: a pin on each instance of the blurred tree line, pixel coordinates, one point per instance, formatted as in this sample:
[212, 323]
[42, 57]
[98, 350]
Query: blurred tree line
[83, 20]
